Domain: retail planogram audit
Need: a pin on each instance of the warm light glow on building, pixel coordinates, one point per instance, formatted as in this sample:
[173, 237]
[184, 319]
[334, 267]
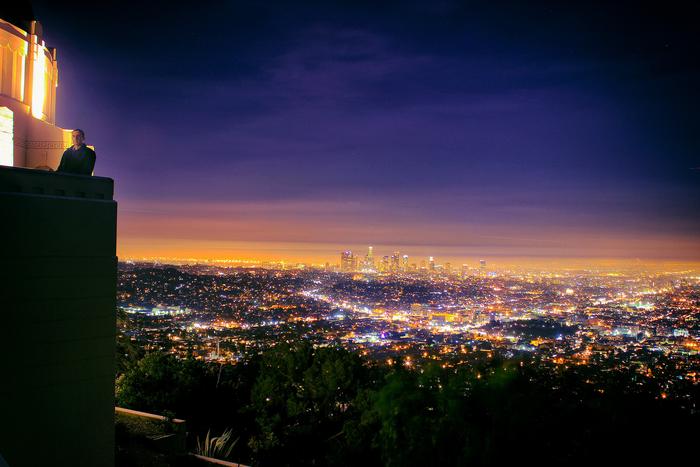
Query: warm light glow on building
[6, 136]
[22, 78]
[38, 81]
[28, 86]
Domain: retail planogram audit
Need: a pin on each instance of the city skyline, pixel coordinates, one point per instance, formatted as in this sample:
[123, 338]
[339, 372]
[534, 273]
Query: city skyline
[541, 130]
[412, 263]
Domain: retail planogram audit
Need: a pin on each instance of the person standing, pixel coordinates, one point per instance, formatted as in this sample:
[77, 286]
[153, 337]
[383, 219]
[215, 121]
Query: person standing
[78, 159]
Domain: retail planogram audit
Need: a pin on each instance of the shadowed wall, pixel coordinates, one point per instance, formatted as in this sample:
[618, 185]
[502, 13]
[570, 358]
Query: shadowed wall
[57, 318]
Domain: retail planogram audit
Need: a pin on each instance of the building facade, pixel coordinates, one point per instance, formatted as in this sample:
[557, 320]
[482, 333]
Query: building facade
[29, 136]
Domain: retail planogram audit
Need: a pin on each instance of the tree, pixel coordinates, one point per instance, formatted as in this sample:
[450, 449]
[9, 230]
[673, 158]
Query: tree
[301, 399]
[160, 382]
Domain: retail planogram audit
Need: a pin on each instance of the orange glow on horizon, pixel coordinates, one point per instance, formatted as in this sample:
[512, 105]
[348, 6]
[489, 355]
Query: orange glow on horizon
[300, 232]
[254, 253]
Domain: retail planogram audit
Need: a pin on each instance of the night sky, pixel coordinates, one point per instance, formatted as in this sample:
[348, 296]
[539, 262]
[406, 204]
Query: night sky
[456, 129]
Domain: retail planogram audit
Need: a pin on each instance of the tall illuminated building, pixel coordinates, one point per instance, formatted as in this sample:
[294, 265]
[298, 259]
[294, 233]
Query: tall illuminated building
[431, 263]
[482, 267]
[347, 261]
[29, 136]
[404, 263]
[395, 262]
[369, 259]
[385, 265]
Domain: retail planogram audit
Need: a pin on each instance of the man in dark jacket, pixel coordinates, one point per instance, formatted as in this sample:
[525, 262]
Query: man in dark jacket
[78, 159]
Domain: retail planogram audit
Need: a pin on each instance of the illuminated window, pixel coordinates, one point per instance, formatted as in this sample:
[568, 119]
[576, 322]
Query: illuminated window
[6, 137]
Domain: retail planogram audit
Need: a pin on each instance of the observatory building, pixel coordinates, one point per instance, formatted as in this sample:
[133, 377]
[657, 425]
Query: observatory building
[29, 136]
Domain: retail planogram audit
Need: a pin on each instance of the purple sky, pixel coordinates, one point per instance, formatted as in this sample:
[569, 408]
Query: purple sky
[411, 124]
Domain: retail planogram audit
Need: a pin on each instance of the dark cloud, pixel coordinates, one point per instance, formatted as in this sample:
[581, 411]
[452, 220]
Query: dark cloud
[549, 114]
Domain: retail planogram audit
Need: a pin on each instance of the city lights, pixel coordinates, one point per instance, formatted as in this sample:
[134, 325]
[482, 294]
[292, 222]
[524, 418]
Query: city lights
[637, 319]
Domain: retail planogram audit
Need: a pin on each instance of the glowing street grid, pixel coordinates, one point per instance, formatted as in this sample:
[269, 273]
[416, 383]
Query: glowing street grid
[639, 321]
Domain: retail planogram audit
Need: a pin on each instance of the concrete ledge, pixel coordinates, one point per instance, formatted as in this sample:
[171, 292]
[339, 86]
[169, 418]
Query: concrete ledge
[211, 460]
[150, 416]
[41, 182]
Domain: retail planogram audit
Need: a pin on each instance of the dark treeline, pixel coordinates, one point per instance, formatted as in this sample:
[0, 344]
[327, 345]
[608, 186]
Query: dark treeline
[299, 405]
